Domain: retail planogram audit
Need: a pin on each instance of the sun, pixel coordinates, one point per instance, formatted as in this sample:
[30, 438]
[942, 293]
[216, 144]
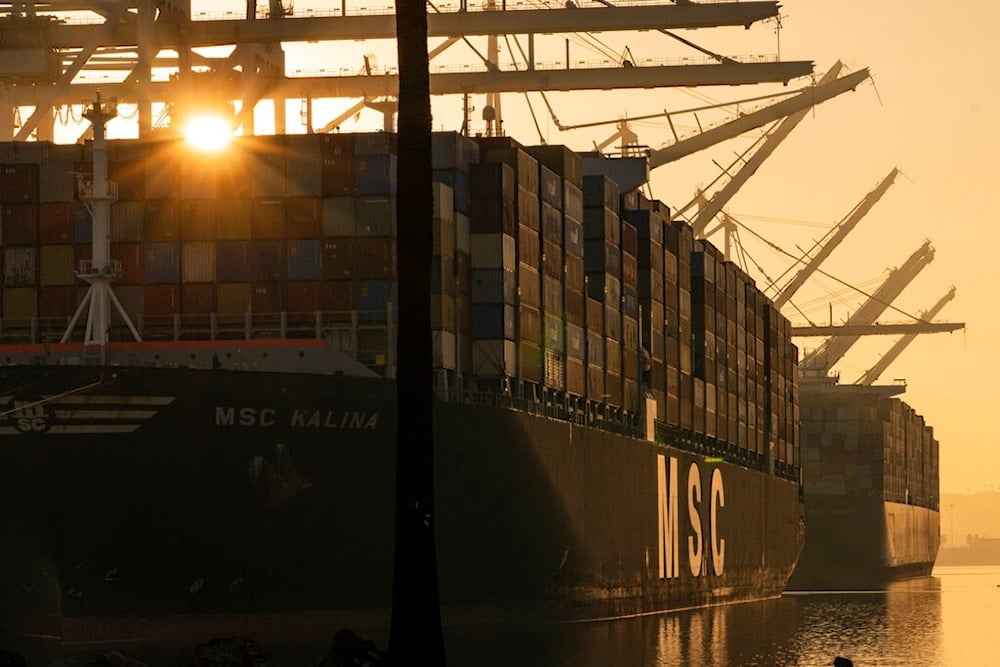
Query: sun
[208, 133]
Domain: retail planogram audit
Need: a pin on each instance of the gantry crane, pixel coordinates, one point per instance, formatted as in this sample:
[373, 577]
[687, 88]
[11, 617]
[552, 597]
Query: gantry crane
[710, 208]
[873, 373]
[835, 237]
[41, 72]
[832, 350]
[806, 99]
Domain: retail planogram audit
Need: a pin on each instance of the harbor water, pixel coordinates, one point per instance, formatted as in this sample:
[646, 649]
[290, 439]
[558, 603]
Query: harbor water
[946, 619]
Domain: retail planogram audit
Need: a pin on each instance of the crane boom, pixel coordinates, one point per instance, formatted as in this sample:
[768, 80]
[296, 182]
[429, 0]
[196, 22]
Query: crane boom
[806, 99]
[711, 208]
[842, 230]
[873, 373]
[834, 348]
[879, 329]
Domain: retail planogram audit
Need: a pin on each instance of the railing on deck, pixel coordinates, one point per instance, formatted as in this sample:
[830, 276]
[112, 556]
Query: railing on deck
[365, 335]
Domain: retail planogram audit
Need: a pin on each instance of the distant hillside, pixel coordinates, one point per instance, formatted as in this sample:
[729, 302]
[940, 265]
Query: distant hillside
[963, 515]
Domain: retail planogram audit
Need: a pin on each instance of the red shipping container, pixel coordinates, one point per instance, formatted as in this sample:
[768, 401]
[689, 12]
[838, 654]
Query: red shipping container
[337, 295]
[55, 223]
[131, 257]
[267, 219]
[303, 217]
[267, 298]
[198, 298]
[57, 302]
[162, 300]
[303, 296]
[20, 224]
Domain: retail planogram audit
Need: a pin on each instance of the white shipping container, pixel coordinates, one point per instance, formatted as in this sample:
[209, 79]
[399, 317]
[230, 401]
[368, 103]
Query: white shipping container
[463, 233]
[444, 350]
[198, 262]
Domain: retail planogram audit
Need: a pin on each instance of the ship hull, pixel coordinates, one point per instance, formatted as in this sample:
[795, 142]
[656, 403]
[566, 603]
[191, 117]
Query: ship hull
[863, 543]
[214, 498]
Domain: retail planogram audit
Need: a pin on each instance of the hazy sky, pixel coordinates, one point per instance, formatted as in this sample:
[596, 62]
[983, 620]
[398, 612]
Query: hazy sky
[931, 112]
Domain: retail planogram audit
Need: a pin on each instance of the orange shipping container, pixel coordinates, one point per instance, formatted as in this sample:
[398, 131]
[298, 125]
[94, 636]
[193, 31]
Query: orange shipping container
[56, 265]
[162, 300]
[197, 219]
[198, 298]
[234, 298]
[20, 304]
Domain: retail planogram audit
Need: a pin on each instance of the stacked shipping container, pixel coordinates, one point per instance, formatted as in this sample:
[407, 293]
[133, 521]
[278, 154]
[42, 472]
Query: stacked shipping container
[856, 443]
[541, 276]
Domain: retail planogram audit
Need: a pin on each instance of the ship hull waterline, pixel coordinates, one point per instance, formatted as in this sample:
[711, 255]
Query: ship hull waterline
[215, 497]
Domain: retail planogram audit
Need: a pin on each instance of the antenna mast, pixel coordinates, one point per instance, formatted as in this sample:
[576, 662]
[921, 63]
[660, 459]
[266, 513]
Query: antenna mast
[100, 270]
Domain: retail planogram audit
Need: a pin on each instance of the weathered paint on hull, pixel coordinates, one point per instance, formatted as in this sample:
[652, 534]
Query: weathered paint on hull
[241, 494]
[861, 543]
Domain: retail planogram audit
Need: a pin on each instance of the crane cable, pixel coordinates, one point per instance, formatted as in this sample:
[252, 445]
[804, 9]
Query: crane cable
[531, 109]
[870, 297]
[719, 58]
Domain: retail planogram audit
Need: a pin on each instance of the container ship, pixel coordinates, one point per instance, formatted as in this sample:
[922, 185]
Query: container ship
[872, 497]
[615, 416]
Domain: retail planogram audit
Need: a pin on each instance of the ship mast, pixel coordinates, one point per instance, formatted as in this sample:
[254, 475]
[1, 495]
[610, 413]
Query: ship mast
[100, 270]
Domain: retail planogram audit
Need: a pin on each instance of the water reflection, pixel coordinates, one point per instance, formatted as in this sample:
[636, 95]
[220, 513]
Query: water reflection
[898, 626]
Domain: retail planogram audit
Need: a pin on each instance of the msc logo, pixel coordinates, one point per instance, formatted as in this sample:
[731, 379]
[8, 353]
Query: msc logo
[28, 416]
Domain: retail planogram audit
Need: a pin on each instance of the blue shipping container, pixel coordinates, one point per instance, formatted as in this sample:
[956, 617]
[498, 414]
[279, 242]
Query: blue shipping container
[304, 259]
[374, 297]
[376, 174]
[459, 182]
[162, 263]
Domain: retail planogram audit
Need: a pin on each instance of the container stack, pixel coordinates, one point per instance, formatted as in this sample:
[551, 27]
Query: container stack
[855, 443]
[560, 181]
[649, 224]
[602, 263]
[781, 390]
[37, 189]
[543, 279]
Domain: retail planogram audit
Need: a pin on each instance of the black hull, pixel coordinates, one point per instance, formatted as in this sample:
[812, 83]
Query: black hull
[864, 543]
[166, 497]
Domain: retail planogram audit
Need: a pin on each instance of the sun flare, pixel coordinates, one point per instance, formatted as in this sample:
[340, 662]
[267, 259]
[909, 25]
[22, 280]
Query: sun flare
[208, 133]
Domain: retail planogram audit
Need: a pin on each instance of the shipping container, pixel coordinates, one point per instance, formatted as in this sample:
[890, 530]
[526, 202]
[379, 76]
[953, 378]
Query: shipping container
[162, 263]
[18, 183]
[375, 258]
[375, 174]
[337, 259]
[304, 259]
[20, 266]
[376, 216]
[20, 305]
[161, 301]
[232, 261]
[198, 261]
[494, 357]
[267, 219]
[267, 261]
[340, 217]
[303, 217]
[232, 219]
